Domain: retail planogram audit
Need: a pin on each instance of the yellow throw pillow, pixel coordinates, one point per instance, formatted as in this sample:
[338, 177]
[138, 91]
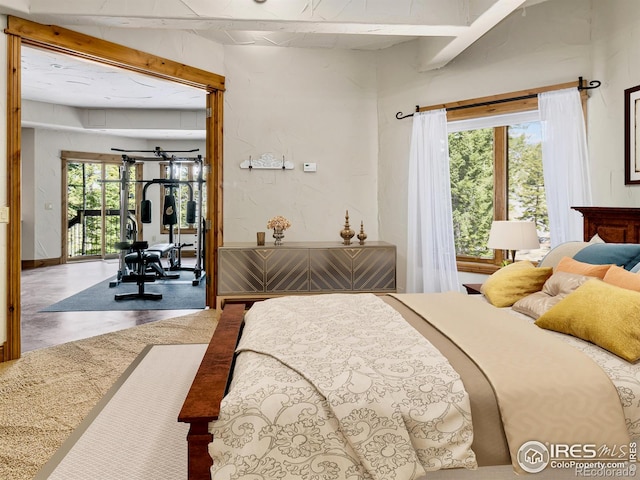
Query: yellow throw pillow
[598, 312]
[568, 264]
[620, 277]
[513, 282]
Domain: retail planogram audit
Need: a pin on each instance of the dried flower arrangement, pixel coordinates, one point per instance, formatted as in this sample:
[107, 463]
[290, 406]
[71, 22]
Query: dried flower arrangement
[278, 222]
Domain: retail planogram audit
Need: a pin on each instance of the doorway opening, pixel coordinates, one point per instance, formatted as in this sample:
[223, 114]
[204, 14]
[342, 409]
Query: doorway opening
[22, 32]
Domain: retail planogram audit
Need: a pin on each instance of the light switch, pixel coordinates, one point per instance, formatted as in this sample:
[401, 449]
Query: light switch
[309, 167]
[4, 214]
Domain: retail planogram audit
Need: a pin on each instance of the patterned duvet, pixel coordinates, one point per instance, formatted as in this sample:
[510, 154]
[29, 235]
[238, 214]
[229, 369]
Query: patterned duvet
[346, 391]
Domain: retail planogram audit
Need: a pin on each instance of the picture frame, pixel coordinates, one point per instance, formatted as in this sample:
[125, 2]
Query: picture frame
[632, 136]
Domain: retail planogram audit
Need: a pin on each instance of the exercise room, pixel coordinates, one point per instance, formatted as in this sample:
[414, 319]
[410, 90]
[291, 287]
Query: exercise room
[94, 139]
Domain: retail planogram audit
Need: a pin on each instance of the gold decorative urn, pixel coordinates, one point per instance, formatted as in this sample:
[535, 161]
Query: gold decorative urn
[362, 236]
[346, 233]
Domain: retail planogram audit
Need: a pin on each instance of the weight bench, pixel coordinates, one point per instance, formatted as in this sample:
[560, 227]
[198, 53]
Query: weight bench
[138, 259]
[151, 256]
[173, 252]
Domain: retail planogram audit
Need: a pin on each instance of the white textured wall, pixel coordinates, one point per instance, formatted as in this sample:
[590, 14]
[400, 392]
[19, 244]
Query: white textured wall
[45, 226]
[615, 51]
[310, 106]
[29, 186]
[548, 45]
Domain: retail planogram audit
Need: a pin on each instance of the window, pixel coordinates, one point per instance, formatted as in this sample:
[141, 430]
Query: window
[526, 193]
[496, 173]
[187, 173]
[92, 204]
[471, 163]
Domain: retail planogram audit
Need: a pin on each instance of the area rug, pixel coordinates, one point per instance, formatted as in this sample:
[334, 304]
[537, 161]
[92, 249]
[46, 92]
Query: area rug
[177, 294]
[46, 394]
[133, 432]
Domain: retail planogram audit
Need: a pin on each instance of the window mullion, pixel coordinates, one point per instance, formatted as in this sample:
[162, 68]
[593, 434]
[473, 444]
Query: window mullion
[500, 178]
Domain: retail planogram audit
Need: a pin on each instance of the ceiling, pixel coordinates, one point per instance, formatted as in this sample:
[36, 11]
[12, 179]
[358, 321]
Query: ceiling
[59, 79]
[53, 77]
[448, 26]
[444, 28]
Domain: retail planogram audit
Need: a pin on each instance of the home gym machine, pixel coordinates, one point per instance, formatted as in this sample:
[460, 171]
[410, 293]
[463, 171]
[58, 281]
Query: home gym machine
[140, 263]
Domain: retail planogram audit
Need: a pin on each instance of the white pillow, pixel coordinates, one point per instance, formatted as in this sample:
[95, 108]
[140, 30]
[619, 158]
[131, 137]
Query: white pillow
[567, 249]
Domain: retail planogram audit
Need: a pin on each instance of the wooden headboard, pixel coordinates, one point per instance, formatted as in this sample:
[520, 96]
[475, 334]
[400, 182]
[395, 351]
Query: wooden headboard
[612, 224]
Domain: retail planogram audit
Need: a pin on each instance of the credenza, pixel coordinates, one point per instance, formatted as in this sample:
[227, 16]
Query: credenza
[247, 271]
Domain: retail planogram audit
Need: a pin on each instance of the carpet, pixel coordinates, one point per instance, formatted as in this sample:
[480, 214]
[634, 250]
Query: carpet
[177, 294]
[133, 432]
[46, 394]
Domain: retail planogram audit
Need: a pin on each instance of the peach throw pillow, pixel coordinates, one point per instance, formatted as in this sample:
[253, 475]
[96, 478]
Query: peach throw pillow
[567, 264]
[620, 277]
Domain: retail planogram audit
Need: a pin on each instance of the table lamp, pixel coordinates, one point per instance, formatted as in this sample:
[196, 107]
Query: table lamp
[513, 235]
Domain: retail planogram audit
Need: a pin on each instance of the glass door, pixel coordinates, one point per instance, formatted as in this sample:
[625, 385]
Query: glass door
[93, 209]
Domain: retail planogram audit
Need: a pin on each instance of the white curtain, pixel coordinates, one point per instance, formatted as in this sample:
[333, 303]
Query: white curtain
[431, 255]
[565, 161]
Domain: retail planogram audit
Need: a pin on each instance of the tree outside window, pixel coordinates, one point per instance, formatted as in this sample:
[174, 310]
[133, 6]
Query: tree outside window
[93, 206]
[496, 173]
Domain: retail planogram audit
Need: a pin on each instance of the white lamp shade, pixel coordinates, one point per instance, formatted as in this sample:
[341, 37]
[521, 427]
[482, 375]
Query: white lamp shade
[513, 235]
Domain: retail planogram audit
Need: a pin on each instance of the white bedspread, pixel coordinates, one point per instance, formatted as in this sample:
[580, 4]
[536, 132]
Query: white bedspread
[364, 396]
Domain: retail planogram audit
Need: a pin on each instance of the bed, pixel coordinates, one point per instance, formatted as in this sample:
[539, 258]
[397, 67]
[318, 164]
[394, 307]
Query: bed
[482, 410]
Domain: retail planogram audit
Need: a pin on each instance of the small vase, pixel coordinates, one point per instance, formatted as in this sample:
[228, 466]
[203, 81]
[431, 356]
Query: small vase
[278, 234]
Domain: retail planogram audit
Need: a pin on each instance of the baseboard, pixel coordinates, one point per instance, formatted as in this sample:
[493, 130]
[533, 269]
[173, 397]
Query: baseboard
[50, 262]
[44, 262]
[2, 348]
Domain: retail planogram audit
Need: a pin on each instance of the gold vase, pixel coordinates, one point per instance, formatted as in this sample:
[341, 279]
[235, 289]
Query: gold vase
[346, 233]
[362, 236]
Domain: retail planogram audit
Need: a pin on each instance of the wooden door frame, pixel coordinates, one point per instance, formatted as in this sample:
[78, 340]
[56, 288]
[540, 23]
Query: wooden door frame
[24, 32]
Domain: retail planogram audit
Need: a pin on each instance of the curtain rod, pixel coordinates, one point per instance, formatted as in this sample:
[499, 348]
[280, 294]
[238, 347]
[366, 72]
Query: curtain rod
[592, 84]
